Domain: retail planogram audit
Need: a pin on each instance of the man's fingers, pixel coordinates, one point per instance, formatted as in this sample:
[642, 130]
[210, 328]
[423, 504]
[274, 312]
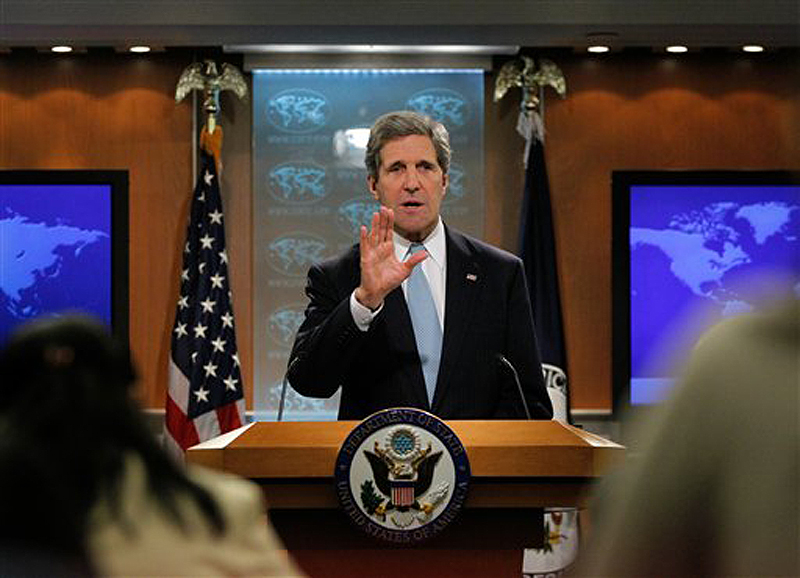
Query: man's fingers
[389, 223]
[374, 233]
[415, 259]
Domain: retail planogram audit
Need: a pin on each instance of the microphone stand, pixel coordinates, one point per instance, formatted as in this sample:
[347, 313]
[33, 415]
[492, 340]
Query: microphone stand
[284, 383]
[504, 361]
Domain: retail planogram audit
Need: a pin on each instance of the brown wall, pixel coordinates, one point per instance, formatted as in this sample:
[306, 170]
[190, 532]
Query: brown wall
[112, 112]
[623, 111]
[635, 111]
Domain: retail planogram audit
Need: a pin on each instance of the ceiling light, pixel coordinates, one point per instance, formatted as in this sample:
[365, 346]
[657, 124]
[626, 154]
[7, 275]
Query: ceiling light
[139, 49]
[61, 49]
[597, 49]
[752, 48]
[677, 49]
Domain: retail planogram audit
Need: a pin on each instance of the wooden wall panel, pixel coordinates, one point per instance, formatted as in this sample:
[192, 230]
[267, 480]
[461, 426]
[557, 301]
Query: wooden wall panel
[111, 111]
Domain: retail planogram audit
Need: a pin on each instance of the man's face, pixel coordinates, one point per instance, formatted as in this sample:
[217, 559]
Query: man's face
[411, 183]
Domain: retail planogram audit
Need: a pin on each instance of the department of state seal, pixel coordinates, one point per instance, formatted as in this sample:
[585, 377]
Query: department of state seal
[402, 475]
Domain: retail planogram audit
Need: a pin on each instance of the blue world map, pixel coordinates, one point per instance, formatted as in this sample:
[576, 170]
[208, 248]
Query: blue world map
[711, 251]
[696, 263]
[50, 262]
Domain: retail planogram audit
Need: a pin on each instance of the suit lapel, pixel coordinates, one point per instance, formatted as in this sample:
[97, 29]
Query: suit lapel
[463, 282]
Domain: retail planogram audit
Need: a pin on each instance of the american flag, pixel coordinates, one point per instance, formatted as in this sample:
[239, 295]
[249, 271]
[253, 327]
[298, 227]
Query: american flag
[205, 395]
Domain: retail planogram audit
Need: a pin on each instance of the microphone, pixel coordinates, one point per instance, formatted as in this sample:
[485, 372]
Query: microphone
[504, 361]
[284, 383]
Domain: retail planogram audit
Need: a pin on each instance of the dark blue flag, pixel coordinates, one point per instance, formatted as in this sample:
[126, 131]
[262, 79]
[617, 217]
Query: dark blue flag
[538, 253]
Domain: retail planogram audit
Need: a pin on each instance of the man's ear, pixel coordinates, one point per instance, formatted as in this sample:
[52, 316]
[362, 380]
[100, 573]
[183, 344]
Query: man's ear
[445, 182]
[371, 182]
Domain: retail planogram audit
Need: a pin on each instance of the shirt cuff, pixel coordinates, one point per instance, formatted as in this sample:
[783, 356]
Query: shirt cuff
[362, 315]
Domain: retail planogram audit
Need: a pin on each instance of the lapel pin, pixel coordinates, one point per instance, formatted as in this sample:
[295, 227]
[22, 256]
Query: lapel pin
[472, 277]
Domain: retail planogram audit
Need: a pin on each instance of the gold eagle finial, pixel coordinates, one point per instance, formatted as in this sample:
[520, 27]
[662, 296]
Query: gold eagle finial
[522, 72]
[204, 76]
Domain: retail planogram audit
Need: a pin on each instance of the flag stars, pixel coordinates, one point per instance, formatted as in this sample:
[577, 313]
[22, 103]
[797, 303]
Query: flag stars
[223, 257]
[208, 305]
[216, 280]
[206, 241]
[235, 357]
[180, 330]
[227, 319]
[200, 331]
[216, 217]
[183, 302]
[202, 394]
[219, 344]
[208, 177]
[185, 275]
[230, 383]
[210, 369]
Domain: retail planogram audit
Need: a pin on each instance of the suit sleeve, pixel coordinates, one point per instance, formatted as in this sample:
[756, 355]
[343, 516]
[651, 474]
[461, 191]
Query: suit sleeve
[327, 341]
[523, 353]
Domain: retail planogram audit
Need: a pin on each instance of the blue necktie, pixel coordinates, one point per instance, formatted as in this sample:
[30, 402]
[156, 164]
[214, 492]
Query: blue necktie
[427, 330]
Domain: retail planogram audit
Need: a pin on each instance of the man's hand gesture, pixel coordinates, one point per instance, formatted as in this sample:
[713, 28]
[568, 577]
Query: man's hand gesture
[381, 272]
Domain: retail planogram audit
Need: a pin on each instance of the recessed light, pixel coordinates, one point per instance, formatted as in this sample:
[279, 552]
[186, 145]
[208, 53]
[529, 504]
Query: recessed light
[139, 49]
[597, 49]
[677, 49]
[61, 49]
[752, 48]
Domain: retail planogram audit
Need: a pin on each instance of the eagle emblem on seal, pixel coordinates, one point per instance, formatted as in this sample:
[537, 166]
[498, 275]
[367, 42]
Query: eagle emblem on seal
[403, 472]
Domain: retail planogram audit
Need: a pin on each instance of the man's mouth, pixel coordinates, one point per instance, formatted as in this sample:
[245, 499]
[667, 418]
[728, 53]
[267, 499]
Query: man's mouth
[411, 204]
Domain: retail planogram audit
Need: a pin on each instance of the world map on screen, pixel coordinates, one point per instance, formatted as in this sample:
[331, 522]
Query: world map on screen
[698, 258]
[706, 249]
[50, 265]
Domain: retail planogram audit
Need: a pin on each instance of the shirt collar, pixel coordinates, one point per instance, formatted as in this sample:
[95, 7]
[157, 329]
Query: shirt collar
[434, 245]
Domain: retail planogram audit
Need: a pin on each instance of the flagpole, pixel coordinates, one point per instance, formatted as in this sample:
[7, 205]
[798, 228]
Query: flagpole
[205, 396]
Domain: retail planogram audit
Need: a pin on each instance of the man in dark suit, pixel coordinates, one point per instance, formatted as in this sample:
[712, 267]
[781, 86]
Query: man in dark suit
[364, 330]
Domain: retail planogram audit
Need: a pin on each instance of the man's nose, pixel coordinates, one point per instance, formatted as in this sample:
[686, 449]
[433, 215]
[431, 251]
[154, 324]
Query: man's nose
[412, 179]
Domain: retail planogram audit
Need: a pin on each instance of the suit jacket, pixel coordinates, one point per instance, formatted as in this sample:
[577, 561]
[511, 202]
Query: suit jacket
[487, 313]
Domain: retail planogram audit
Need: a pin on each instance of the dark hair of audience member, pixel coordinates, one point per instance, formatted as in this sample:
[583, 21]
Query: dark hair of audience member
[67, 423]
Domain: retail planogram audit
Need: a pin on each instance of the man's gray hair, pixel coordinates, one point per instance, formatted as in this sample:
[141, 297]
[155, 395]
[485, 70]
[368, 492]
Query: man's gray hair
[405, 123]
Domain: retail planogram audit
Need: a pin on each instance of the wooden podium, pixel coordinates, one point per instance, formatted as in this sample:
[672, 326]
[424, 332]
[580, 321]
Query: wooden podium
[518, 468]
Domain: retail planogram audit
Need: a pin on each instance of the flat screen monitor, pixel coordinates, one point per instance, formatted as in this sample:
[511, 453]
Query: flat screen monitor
[691, 248]
[63, 246]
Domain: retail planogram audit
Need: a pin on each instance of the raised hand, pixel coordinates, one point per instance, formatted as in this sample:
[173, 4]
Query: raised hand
[381, 271]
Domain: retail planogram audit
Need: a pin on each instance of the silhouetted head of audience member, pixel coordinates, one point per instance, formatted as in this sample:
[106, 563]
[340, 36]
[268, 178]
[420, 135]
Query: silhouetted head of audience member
[67, 423]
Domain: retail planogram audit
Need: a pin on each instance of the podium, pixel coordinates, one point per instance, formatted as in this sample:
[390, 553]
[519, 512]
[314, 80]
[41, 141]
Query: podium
[518, 468]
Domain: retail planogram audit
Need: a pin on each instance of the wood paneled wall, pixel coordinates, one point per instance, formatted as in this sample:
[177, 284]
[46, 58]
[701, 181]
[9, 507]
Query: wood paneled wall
[623, 111]
[87, 111]
[635, 111]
